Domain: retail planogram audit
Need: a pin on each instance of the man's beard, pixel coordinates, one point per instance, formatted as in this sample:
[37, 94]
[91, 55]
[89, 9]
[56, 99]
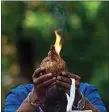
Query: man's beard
[55, 100]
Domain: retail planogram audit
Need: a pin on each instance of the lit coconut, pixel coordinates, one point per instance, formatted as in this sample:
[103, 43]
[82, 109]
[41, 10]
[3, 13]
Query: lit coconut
[53, 63]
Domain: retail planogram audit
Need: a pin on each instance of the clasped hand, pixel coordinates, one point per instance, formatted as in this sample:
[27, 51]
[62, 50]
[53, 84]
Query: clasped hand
[43, 81]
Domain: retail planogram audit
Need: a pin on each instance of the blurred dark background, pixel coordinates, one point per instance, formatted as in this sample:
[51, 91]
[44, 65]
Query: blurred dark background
[28, 32]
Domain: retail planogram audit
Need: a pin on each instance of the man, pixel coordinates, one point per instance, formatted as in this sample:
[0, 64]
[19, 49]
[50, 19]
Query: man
[43, 95]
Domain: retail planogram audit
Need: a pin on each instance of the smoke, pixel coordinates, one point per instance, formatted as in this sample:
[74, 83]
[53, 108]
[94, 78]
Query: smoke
[59, 12]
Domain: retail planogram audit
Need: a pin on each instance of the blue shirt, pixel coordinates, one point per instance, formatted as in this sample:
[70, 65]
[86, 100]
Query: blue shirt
[16, 96]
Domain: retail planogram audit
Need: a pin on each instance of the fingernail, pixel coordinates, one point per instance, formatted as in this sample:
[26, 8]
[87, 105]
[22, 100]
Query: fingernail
[42, 68]
[58, 77]
[63, 73]
[54, 78]
[50, 74]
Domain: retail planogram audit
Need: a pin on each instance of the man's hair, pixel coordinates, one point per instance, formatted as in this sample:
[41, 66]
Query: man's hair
[55, 100]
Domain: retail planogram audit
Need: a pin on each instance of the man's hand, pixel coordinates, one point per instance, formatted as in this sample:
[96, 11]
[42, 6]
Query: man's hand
[41, 83]
[64, 81]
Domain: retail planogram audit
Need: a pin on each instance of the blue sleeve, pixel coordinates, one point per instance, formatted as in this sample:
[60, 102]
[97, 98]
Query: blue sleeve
[12, 103]
[93, 96]
[15, 98]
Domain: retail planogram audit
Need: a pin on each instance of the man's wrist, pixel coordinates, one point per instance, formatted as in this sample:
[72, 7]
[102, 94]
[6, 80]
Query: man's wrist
[33, 99]
[26, 106]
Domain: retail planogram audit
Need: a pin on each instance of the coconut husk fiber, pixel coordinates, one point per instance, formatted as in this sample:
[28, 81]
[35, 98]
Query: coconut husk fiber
[53, 63]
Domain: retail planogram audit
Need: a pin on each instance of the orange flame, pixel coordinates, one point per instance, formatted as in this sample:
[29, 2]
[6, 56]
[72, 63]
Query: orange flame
[58, 44]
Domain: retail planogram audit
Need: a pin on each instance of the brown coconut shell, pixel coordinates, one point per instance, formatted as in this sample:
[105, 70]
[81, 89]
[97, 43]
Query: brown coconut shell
[53, 63]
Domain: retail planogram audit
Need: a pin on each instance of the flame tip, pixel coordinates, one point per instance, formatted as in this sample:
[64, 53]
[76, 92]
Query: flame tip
[58, 43]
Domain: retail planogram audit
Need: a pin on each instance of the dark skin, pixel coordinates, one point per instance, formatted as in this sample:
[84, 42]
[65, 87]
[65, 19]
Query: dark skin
[48, 80]
[43, 81]
[64, 81]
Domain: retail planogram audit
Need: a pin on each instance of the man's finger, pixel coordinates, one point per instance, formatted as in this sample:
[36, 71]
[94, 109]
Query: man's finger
[64, 85]
[54, 83]
[47, 83]
[71, 75]
[64, 79]
[67, 91]
[37, 72]
[42, 78]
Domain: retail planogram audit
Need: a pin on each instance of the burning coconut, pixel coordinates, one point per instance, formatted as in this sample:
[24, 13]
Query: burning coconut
[53, 63]
[55, 98]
